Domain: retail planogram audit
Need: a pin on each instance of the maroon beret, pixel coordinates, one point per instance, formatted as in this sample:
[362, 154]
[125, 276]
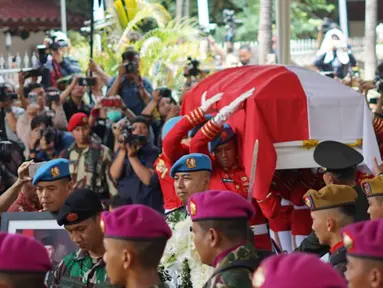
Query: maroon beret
[297, 270]
[364, 239]
[215, 204]
[135, 222]
[22, 254]
[78, 119]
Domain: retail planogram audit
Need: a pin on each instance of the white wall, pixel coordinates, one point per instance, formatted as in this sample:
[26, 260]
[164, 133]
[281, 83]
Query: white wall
[19, 45]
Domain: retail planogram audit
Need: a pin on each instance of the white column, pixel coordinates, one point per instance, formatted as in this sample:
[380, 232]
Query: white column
[283, 31]
[371, 21]
[203, 13]
[343, 18]
[63, 16]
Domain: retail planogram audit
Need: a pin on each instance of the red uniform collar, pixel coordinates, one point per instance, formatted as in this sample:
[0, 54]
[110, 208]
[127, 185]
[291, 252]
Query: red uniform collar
[336, 247]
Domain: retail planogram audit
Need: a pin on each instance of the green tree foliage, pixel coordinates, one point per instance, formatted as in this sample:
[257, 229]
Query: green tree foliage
[306, 15]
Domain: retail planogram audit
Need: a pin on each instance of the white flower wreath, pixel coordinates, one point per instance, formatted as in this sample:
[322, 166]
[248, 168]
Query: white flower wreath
[180, 247]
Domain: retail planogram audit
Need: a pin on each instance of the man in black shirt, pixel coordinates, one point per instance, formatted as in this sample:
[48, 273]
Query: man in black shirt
[339, 163]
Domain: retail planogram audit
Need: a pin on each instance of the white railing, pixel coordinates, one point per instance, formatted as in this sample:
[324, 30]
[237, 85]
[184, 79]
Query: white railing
[11, 65]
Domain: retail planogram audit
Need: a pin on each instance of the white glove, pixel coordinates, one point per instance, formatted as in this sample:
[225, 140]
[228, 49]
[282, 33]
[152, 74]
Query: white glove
[227, 111]
[223, 115]
[205, 104]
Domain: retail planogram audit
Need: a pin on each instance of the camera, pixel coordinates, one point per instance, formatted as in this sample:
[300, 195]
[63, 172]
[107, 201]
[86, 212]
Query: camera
[230, 24]
[5, 96]
[192, 67]
[5, 149]
[131, 65]
[49, 134]
[127, 136]
[53, 95]
[86, 81]
[228, 16]
[165, 92]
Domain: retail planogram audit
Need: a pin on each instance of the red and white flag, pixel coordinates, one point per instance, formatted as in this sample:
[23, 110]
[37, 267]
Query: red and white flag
[290, 104]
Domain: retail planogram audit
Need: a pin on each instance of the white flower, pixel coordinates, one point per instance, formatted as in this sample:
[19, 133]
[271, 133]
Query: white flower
[180, 247]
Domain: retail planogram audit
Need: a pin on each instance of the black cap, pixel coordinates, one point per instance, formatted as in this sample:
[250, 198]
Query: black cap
[140, 119]
[80, 205]
[334, 155]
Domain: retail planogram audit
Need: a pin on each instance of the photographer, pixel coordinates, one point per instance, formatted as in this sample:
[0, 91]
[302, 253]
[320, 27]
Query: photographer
[160, 109]
[46, 143]
[133, 89]
[72, 97]
[9, 113]
[132, 166]
[9, 196]
[59, 65]
[193, 75]
[36, 105]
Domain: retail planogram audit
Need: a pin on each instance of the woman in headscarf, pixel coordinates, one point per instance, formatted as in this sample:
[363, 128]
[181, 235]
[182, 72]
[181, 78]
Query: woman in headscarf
[334, 55]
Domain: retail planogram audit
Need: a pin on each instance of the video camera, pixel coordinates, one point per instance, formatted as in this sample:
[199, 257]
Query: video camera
[5, 149]
[192, 67]
[127, 136]
[5, 96]
[131, 65]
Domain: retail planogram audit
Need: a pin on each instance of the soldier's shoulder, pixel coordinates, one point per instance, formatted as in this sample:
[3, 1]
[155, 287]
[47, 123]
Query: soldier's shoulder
[235, 277]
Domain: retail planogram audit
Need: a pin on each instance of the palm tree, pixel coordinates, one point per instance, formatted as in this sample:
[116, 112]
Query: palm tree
[265, 30]
[370, 39]
[163, 50]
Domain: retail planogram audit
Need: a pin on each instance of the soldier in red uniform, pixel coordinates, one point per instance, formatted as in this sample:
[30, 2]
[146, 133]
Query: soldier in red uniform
[280, 226]
[227, 172]
[175, 145]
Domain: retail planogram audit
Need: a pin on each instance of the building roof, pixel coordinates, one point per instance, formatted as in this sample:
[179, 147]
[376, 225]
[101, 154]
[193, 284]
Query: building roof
[35, 15]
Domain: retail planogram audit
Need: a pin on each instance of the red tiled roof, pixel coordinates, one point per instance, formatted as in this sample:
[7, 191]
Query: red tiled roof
[35, 15]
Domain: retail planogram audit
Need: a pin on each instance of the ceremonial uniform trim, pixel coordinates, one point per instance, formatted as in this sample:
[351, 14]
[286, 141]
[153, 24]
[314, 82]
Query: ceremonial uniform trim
[378, 127]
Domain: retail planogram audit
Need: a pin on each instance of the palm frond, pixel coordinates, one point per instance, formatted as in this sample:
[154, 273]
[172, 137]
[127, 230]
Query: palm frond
[146, 11]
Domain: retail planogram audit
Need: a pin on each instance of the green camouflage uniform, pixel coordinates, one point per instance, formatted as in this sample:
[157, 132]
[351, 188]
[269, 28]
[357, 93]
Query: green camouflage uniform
[93, 161]
[236, 277]
[78, 270]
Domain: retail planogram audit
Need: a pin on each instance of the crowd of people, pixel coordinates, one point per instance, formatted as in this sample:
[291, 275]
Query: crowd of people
[115, 163]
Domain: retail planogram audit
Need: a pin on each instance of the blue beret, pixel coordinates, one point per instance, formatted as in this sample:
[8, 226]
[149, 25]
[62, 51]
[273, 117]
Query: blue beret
[225, 136]
[52, 170]
[169, 125]
[195, 129]
[191, 163]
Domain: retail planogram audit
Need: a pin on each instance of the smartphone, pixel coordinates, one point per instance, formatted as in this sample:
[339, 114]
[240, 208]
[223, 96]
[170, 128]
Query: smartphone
[86, 81]
[32, 97]
[110, 102]
[33, 168]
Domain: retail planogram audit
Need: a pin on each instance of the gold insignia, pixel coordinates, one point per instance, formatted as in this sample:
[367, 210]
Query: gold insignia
[347, 241]
[193, 208]
[71, 217]
[367, 188]
[223, 136]
[191, 163]
[244, 178]
[102, 225]
[162, 168]
[259, 277]
[84, 120]
[307, 201]
[55, 171]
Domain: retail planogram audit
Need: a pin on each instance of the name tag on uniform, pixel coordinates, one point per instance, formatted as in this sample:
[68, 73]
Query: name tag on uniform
[227, 180]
